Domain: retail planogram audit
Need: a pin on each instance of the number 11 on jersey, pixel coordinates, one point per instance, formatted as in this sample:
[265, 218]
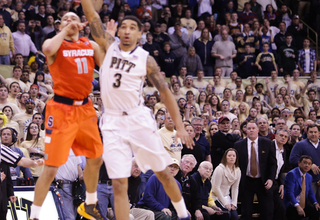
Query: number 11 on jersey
[82, 62]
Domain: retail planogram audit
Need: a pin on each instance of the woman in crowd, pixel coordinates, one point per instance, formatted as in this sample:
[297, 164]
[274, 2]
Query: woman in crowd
[215, 103]
[7, 110]
[225, 184]
[35, 147]
[271, 15]
[43, 88]
[235, 125]
[212, 128]
[259, 108]
[202, 100]
[209, 89]
[243, 112]
[190, 100]
[248, 95]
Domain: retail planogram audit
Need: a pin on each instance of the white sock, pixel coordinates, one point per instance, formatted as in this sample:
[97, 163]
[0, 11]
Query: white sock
[35, 211]
[181, 209]
[91, 198]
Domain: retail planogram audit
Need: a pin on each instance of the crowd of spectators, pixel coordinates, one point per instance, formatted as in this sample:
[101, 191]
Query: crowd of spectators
[231, 66]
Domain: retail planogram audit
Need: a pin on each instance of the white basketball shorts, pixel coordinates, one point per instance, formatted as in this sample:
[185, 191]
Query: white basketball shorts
[128, 134]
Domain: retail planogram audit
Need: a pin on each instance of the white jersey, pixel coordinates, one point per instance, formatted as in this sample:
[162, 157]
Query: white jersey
[122, 76]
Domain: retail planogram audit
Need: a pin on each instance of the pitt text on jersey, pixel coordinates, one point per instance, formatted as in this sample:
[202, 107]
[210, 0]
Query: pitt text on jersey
[119, 63]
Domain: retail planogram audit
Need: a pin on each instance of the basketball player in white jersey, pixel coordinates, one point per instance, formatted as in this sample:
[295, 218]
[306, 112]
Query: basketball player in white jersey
[127, 126]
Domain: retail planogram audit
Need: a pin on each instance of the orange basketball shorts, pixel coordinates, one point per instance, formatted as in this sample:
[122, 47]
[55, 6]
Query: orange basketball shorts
[70, 126]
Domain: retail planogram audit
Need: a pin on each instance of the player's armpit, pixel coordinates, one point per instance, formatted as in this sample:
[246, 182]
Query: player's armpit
[154, 75]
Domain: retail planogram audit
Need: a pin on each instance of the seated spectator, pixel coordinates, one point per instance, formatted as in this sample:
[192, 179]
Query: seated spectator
[188, 85]
[16, 74]
[264, 130]
[225, 108]
[226, 179]
[7, 110]
[307, 59]
[156, 199]
[247, 16]
[14, 89]
[265, 61]
[192, 61]
[298, 30]
[190, 187]
[200, 83]
[299, 198]
[200, 139]
[4, 91]
[204, 186]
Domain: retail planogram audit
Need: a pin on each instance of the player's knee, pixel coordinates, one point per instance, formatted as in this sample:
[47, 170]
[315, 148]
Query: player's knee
[96, 162]
[50, 171]
[119, 186]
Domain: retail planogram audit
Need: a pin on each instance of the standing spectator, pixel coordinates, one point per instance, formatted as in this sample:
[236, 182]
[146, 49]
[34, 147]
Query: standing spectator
[23, 43]
[224, 51]
[247, 37]
[197, 33]
[153, 48]
[288, 55]
[218, 36]
[67, 174]
[225, 179]
[192, 61]
[190, 187]
[5, 15]
[271, 14]
[188, 23]
[285, 15]
[41, 15]
[257, 8]
[168, 61]
[203, 47]
[309, 147]
[21, 17]
[178, 42]
[247, 16]
[307, 59]
[247, 62]
[160, 37]
[50, 27]
[36, 33]
[265, 61]
[280, 38]
[258, 165]
[222, 140]
[235, 28]
[281, 139]
[166, 17]
[6, 43]
[205, 6]
[56, 26]
[299, 198]
[298, 31]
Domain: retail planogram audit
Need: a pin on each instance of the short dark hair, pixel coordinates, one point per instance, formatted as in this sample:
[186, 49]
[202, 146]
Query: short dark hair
[133, 18]
[16, 67]
[313, 126]
[311, 90]
[258, 84]
[288, 34]
[14, 82]
[4, 86]
[296, 119]
[305, 157]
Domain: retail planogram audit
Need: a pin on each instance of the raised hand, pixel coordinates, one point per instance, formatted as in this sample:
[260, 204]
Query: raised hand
[112, 27]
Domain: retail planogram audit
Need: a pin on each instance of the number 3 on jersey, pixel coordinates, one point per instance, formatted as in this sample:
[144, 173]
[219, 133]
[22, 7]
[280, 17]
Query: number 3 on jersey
[81, 62]
[118, 82]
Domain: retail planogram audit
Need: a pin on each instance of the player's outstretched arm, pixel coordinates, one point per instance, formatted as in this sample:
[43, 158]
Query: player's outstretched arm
[51, 46]
[26, 162]
[168, 99]
[102, 37]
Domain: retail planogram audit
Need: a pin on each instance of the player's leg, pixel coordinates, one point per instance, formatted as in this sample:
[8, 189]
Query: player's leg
[121, 202]
[41, 189]
[171, 187]
[91, 176]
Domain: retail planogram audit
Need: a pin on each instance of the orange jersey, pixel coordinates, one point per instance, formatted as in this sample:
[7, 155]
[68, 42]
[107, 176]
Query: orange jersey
[72, 70]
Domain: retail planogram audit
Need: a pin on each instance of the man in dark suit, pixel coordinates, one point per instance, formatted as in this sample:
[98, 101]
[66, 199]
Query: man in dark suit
[281, 138]
[222, 140]
[298, 195]
[258, 164]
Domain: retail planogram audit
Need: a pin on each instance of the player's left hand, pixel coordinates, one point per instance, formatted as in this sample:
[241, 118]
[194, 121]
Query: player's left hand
[185, 138]
[112, 27]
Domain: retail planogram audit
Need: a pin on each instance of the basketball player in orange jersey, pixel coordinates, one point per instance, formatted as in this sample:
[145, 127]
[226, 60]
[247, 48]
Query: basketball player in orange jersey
[71, 121]
[127, 126]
